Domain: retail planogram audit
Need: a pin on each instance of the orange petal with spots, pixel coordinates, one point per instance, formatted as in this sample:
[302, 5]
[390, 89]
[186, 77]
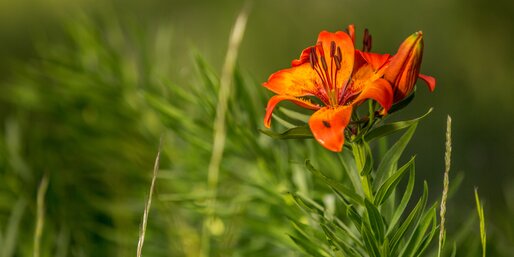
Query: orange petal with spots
[328, 125]
[273, 101]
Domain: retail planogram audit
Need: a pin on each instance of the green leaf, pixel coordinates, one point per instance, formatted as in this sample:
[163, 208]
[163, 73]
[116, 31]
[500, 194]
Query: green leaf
[390, 184]
[369, 241]
[427, 239]
[283, 121]
[415, 241]
[346, 159]
[347, 235]
[345, 193]
[337, 243]
[390, 160]
[295, 115]
[368, 160]
[301, 132]
[307, 238]
[307, 204]
[405, 200]
[391, 128]
[342, 232]
[304, 231]
[354, 216]
[308, 246]
[412, 219]
[375, 220]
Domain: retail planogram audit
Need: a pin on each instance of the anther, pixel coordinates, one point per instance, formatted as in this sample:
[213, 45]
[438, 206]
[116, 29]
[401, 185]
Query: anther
[338, 62]
[322, 53]
[314, 55]
[324, 63]
[366, 42]
[312, 58]
[332, 48]
[319, 46]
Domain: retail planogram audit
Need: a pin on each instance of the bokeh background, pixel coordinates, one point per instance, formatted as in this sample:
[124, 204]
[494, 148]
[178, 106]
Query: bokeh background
[78, 87]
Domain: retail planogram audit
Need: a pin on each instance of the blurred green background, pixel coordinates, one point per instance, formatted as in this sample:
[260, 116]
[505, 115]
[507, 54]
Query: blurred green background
[79, 82]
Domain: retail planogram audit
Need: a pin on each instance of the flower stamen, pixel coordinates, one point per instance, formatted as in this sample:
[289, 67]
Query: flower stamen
[326, 73]
[366, 41]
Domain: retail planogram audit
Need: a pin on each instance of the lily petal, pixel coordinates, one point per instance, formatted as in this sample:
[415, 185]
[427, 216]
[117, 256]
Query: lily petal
[296, 81]
[328, 124]
[376, 61]
[344, 43]
[379, 90]
[404, 67]
[429, 80]
[273, 101]
[304, 57]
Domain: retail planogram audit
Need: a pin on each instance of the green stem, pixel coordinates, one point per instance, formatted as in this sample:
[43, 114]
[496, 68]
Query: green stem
[360, 153]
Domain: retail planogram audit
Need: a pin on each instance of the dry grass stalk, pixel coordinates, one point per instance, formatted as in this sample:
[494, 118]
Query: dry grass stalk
[144, 222]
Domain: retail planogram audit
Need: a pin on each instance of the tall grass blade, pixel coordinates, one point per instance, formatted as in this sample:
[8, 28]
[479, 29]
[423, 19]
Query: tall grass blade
[481, 217]
[144, 222]
[40, 216]
[218, 146]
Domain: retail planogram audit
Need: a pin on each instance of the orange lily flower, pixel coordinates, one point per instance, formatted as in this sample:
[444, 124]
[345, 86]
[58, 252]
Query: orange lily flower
[339, 76]
[403, 70]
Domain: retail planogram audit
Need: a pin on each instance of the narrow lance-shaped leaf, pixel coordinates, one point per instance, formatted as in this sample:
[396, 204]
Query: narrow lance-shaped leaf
[412, 219]
[368, 164]
[375, 220]
[369, 241]
[301, 132]
[390, 128]
[403, 203]
[342, 232]
[391, 183]
[390, 160]
[348, 236]
[337, 243]
[351, 170]
[354, 216]
[427, 239]
[295, 115]
[308, 247]
[416, 238]
[307, 204]
[338, 188]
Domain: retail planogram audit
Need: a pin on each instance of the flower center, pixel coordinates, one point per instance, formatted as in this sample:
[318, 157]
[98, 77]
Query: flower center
[327, 72]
